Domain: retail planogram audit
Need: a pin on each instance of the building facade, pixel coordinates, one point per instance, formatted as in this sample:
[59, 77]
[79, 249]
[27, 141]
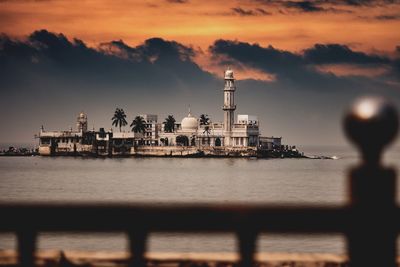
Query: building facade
[67, 142]
[242, 132]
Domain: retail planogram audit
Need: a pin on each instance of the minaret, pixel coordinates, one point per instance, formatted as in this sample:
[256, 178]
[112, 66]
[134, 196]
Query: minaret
[81, 122]
[229, 105]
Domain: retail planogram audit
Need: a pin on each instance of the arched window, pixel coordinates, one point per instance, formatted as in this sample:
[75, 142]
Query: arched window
[182, 140]
[217, 141]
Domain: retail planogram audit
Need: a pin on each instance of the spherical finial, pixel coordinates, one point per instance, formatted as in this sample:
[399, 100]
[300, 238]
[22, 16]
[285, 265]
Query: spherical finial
[228, 74]
[371, 123]
[82, 115]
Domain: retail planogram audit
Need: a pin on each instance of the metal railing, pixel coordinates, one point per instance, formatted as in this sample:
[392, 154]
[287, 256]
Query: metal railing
[370, 222]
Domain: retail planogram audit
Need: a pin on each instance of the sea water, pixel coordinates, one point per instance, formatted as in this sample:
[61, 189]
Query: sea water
[163, 180]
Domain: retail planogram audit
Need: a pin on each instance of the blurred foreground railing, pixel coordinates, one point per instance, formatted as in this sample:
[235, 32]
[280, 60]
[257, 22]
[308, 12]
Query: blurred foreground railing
[370, 222]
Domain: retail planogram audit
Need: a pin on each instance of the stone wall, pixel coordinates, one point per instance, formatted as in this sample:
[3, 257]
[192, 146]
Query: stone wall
[163, 151]
[174, 151]
[230, 151]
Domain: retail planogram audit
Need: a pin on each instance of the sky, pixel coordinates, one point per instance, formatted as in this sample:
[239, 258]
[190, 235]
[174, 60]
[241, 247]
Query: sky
[298, 63]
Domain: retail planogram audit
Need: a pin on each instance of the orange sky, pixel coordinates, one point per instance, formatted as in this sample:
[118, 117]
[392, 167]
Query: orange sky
[200, 22]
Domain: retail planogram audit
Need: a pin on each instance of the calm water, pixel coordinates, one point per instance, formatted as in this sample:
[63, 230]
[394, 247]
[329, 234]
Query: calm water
[181, 180]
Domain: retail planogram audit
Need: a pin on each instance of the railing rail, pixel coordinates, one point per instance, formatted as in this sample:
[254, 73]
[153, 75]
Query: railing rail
[370, 221]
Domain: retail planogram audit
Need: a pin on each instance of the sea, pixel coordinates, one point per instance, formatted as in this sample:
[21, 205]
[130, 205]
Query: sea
[183, 180]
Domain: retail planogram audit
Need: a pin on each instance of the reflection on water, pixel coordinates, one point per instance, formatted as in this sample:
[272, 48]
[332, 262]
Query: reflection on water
[181, 180]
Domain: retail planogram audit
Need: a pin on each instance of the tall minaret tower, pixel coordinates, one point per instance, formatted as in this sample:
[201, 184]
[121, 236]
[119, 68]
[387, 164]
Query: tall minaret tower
[229, 106]
[81, 122]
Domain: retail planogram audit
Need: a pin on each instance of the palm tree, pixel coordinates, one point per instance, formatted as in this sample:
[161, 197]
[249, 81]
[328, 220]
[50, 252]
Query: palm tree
[169, 124]
[205, 121]
[138, 125]
[119, 118]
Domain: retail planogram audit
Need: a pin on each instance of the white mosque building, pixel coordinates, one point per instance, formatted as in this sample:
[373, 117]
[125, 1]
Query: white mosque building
[242, 133]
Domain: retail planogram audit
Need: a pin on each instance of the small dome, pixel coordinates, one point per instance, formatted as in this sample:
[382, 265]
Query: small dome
[229, 74]
[189, 123]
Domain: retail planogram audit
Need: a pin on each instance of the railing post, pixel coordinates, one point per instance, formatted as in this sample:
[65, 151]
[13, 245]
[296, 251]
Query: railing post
[247, 246]
[137, 246]
[372, 124]
[26, 242]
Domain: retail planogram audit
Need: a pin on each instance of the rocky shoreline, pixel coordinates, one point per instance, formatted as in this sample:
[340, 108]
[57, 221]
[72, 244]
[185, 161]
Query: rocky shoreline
[170, 151]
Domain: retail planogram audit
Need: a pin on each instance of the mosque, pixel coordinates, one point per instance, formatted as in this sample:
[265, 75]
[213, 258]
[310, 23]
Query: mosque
[244, 132]
[191, 134]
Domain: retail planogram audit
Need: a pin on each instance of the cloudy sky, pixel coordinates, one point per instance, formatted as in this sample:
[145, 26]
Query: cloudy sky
[299, 63]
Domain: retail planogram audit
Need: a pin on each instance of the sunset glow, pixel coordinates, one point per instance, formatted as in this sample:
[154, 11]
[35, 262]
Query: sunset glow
[199, 23]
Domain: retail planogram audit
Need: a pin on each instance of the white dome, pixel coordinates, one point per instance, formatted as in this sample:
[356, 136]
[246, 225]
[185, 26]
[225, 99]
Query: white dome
[189, 123]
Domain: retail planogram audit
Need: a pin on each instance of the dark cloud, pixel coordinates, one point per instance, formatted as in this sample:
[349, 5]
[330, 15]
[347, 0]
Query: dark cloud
[353, 2]
[274, 60]
[269, 59]
[290, 69]
[4, 1]
[61, 55]
[365, 3]
[47, 63]
[305, 6]
[322, 54]
[242, 12]
[333, 6]
[120, 49]
[362, 2]
[300, 70]
[178, 1]
[249, 12]
[162, 50]
[337, 54]
[157, 63]
[263, 12]
[388, 17]
[396, 63]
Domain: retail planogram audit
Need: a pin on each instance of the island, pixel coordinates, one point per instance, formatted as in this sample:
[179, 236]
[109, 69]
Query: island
[191, 137]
